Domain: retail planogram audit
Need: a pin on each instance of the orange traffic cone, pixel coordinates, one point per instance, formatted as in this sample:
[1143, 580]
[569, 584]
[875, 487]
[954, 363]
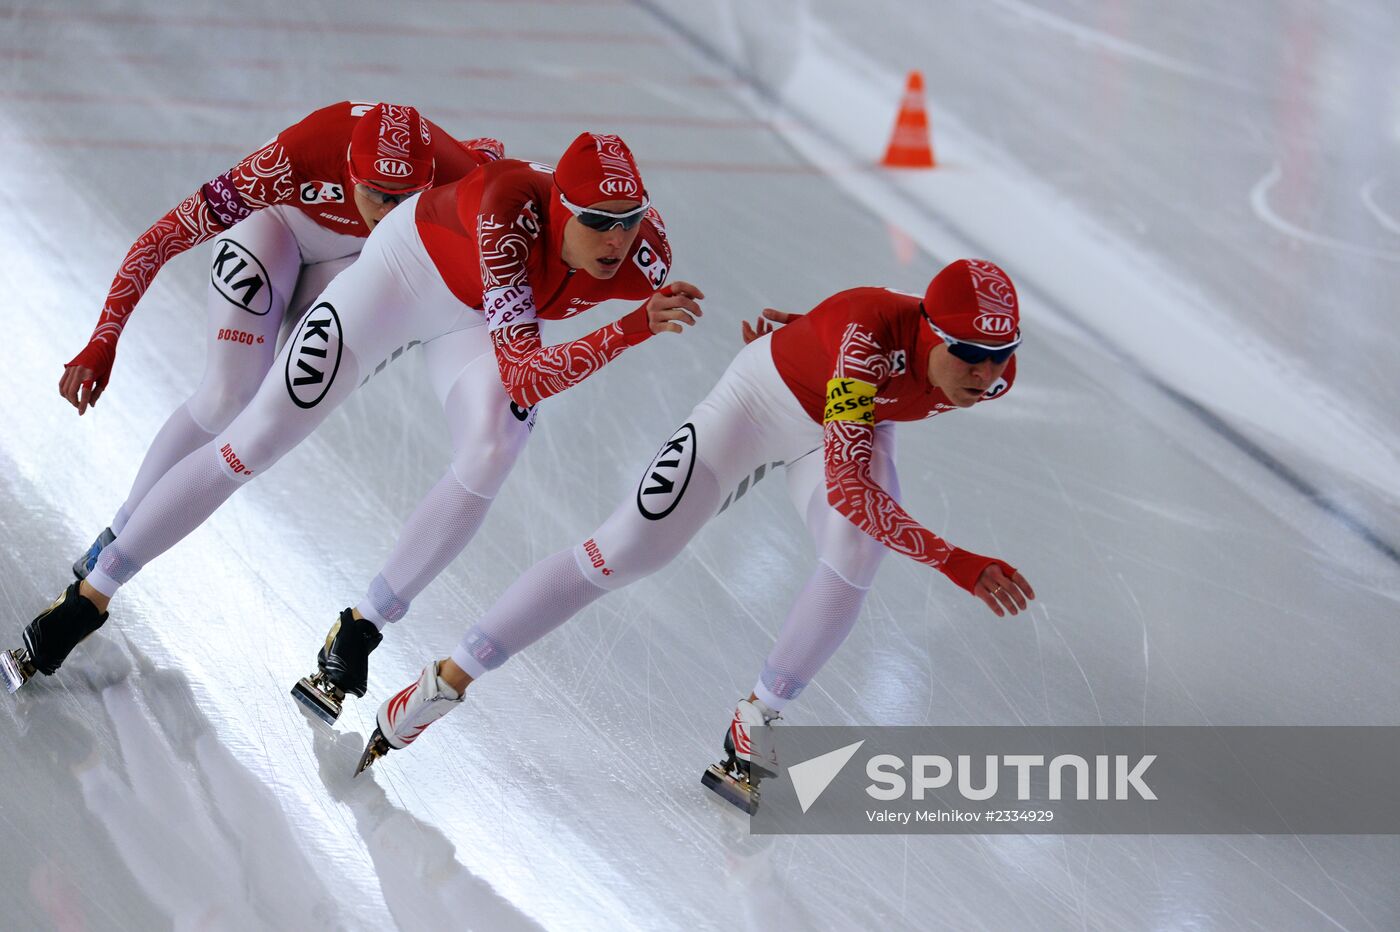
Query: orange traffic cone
[910, 144]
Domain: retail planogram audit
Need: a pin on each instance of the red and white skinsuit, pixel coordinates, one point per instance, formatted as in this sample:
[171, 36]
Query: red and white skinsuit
[820, 396]
[284, 223]
[491, 241]
[304, 168]
[880, 338]
[496, 241]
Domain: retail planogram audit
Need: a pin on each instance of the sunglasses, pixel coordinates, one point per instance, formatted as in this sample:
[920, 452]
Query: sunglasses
[602, 220]
[380, 196]
[973, 353]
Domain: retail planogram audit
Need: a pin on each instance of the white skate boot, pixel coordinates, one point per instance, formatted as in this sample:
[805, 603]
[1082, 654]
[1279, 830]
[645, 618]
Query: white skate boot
[408, 713]
[750, 756]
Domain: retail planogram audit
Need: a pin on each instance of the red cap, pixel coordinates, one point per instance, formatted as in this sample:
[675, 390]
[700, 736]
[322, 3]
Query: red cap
[392, 145]
[973, 299]
[598, 168]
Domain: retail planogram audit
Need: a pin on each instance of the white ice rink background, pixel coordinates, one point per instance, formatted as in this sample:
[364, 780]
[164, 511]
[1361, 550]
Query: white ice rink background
[1199, 468]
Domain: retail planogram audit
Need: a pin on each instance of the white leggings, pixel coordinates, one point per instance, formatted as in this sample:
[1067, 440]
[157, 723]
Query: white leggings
[389, 300]
[749, 423]
[264, 271]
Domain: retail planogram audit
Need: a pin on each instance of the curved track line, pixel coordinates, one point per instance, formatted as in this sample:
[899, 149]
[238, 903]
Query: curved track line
[1368, 198]
[1117, 46]
[1259, 200]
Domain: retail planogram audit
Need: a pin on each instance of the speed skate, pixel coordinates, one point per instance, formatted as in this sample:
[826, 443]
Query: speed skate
[749, 756]
[319, 696]
[408, 713]
[731, 786]
[16, 668]
[342, 667]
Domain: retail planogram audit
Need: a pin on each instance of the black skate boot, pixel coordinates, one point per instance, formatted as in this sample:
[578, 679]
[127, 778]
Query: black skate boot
[749, 759]
[343, 667]
[84, 564]
[50, 638]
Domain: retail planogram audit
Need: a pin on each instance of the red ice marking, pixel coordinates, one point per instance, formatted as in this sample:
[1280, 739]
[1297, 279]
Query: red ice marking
[203, 103]
[733, 167]
[147, 145]
[593, 77]
[297, 27]
[274, 106]
[176, 61]
[618, 119]
[369, 67]
[463, 71]
[64, 142]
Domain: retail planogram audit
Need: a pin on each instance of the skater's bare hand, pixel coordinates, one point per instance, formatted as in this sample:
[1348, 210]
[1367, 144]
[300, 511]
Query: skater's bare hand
[771, 320]
[672, 306]
[1003, 593]
[79, 386]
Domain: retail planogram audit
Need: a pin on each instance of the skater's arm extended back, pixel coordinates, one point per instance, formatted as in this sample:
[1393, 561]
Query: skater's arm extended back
[263, 178]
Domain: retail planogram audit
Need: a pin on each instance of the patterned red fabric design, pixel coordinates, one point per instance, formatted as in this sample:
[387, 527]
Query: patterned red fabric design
[496, 239]
[305, 166]
[876, 336]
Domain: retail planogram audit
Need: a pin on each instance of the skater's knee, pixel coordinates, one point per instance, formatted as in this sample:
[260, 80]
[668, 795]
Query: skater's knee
[483, 468]
[612, 566]
[855, 559]
[643, 535]
[217, 402]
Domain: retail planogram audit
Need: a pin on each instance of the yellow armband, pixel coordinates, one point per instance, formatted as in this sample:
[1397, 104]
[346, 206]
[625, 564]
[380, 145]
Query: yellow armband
[849, 400]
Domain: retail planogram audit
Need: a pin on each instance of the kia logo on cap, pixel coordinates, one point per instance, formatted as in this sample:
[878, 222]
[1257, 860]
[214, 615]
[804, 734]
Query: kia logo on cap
[393, 168]
[996, 324]
[623, 186]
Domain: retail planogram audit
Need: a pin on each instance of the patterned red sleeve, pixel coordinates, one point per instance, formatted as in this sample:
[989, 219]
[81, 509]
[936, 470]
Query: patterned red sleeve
[507, 231]
[263, 178]
[531, 371]
[849, 443]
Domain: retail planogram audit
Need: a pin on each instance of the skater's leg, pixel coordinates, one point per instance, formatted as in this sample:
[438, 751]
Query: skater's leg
[626, 548]
[194, 488]
[488, 434]
[828, 604]
[748, 419]
[725, 437]
[450, 514]
[369, 309]
[255, 269]
[819, 620]
[315, 278]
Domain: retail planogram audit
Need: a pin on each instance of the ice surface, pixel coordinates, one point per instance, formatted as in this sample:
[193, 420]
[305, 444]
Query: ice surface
[1196, 469]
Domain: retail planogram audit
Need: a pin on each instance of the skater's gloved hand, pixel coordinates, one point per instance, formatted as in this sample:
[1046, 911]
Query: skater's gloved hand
[85, 377]
[672, 306]
[771, 320]
[493, 148]
[998, 584]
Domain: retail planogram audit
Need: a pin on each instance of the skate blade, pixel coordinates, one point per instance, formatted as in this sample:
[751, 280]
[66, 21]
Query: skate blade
[319, 703]
[13, 671]
[731, 790]
[376, 748]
